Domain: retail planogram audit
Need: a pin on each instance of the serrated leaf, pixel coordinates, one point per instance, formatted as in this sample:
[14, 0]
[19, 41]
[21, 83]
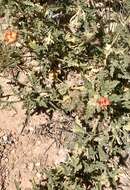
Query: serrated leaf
[115, 98]
[33, 45]
[102, 154]
[90, 111]
[108, 86]
[78, 130]
[62, 88]
[127, 127]
[28, 3]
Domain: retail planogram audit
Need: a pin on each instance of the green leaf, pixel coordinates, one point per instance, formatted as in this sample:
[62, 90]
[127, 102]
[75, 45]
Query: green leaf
[17, 185]
[90, 111]
[78, 130]
[102, 154]
[115, 98]
[28, 3]
[107, 86]
[62, 88]
[33, 45]
[127, 127]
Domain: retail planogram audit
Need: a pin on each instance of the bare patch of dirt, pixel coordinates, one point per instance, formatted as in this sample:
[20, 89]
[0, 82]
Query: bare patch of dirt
[24, 156]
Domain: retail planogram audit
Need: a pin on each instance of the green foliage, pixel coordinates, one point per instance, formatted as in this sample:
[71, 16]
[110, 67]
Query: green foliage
[91, 163]
[72, 53]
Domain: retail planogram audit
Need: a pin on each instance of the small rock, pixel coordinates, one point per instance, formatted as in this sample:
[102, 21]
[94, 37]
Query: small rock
[31, 166]
[37, 164]
[5, 138]
[6, 160]
[61, 156]
[23, 78]
[38, 175]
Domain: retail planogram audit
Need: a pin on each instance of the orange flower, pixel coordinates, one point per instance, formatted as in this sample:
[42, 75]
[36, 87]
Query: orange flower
[10, 36]
[104, 102]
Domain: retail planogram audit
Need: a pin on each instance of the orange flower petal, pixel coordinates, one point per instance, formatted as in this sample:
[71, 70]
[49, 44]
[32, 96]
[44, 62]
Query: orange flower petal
[10, 36]
[104, 102]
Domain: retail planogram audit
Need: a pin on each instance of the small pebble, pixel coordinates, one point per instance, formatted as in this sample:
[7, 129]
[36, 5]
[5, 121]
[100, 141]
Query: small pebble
[38, 175]
[5, 138]
[37, 164]
[6, 160]
[30, 166]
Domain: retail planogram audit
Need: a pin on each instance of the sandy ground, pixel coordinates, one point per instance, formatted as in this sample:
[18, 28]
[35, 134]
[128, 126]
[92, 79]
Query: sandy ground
[23, 156]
